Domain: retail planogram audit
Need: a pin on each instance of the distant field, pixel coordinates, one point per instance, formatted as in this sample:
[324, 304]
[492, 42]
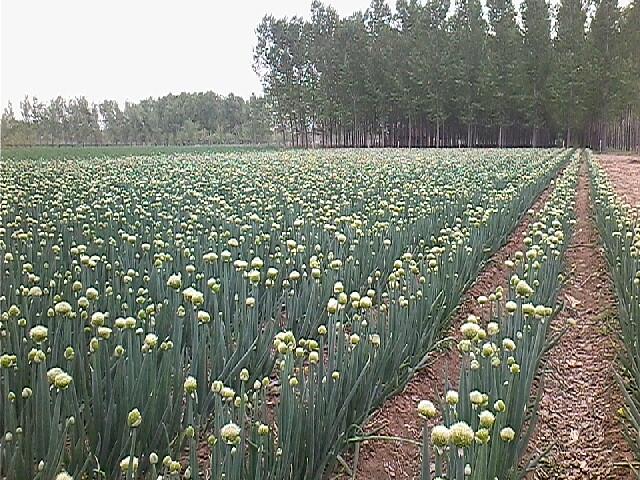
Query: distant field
[49, 152]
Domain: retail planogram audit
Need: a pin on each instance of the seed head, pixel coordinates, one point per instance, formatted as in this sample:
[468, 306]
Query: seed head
[440, 436]
[426, 409]
[134, 419]
[39, 333]
[190, 385]
[507, 434]
[230, 433]
[62, 381]
[62, 308]
[487, 418]
[126, 463]
[452, 397]
[461, 434]
[476, 397]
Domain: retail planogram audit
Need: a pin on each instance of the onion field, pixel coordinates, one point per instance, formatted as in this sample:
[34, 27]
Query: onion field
[241, 315]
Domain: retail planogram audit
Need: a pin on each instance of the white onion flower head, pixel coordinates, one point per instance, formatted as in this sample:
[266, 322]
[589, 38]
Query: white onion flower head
[492, 329]
[62, 381]
[134, 419]
[507, 434]
[230, 433]
[35, 291]
[461, 434]
[91, 294]
[190, 385]
[483, 436]
[487, 419]
[440, 436]
[62, 308]
[203, 316]
[426, 409]
[126, 463]
[52, 373]
[488, 349]
[175, 282]
[452, 397]
[469, 330]
[523, 289]
[151, 340]
[39, 333]
[508, 344]
[332, 306]
[476, 397]
[97, 319]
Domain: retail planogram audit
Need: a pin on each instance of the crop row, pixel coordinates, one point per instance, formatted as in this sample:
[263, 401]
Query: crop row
[619, 227]
[485, 425]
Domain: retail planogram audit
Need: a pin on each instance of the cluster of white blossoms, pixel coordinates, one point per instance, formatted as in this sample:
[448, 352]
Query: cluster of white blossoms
[460, 434]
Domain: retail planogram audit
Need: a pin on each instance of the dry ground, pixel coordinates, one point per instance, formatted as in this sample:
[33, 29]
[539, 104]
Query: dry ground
[624, 171]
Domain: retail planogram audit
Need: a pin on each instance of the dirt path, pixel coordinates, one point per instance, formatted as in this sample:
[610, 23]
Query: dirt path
[578, 410]
[624, 172]
[381, 460]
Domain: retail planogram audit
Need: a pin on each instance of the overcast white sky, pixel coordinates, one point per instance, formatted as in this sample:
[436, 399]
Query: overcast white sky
[133, 49]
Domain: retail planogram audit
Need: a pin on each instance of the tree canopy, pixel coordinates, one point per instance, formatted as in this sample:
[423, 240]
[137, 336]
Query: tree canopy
[469, 73]
[185, 119]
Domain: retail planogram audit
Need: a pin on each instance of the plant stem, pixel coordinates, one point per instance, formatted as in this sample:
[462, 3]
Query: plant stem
[425, 473]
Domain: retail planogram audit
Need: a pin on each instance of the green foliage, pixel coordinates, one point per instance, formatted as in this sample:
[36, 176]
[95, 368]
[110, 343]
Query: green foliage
[427, 76]
[568, 75]
[537, 59]
[423, 75]
[88, 153]
[185, 119]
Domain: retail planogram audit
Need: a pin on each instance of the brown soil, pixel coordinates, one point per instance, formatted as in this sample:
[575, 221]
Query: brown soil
[384, 459]
[624, 172]
[578, 411]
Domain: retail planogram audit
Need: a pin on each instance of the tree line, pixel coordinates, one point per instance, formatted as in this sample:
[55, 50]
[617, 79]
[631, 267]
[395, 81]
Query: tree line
[429, 74]
[474, 74]
[185, 119]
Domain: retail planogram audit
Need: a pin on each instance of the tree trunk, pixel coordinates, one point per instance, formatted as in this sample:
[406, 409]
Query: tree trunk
[291, 128]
